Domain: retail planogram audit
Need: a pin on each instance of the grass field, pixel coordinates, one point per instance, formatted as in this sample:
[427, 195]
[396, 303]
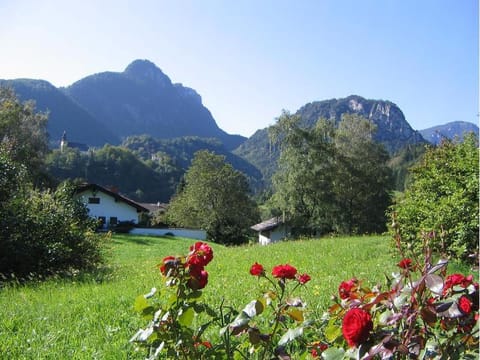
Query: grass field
[93, 318]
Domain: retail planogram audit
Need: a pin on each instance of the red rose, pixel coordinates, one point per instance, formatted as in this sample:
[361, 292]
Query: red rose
[304, 278]
[345, 288]
[257, 270]
[200, 254]
[199, 278]
[356, 326]
[314, 353]
[465, 305]
[284, 271]
[405, 263]
[456, 279]
[168, 263]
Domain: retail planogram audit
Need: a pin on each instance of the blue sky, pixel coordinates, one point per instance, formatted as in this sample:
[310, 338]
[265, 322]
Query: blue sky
[250, 59]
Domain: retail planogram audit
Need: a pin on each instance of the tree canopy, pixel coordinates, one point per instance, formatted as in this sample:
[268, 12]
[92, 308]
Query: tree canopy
[214, 197]
[331, 179]
[443, 199]
[23, 132]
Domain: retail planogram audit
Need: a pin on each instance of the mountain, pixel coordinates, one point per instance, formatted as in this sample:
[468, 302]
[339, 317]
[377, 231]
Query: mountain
[451, 130]
[179, 152]
[143, 100]
[392, 129]
[64, 113]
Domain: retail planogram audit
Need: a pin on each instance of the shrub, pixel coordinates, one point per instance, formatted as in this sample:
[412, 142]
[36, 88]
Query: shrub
[44, 232]
[443, 198]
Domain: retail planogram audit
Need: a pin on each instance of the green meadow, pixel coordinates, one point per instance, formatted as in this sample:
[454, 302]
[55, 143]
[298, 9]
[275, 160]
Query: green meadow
[92, 317]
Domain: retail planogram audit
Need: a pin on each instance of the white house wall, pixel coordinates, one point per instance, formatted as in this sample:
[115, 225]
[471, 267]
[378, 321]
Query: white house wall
[263, 240]
[108, 207]
[272, 236]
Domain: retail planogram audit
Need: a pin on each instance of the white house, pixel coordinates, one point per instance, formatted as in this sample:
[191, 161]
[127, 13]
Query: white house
[109, 206]
[271, 230]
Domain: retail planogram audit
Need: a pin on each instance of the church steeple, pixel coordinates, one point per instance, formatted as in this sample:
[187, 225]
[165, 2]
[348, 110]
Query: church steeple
[63, 141]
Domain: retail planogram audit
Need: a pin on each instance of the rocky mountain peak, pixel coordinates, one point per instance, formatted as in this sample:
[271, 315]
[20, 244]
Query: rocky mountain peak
[146, 71]
[355, 105]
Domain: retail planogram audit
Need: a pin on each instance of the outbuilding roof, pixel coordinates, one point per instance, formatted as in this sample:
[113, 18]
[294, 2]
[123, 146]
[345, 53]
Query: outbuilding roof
[268, 224]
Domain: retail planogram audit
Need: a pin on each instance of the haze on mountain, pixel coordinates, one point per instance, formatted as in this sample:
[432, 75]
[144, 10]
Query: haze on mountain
[143, 100]
[110, 106]
[142, 108]
[452, 130]
[64, 114]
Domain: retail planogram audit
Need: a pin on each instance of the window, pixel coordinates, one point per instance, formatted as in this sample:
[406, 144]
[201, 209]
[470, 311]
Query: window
[113, 220]
[94, 200]
[102, 220]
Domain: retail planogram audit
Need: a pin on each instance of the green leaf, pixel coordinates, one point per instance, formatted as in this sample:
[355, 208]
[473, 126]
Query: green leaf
[186, 317]
[296, 315]
[332, 332]
[140, 303]
[290, 335]
[333, 354]
[195, 295]
[147, 313]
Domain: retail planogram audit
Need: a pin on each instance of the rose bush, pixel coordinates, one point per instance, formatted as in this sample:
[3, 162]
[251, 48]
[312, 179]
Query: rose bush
[263, 329]
[422, 313]
[170, 332]
[283, 319]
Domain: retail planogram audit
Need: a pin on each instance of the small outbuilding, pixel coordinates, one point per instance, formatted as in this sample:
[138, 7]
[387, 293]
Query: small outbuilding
[271, 230]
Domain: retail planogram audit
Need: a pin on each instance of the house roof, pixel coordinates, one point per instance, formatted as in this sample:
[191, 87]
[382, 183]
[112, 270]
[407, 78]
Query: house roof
[118, 197]
[268, 224]
[155, 206]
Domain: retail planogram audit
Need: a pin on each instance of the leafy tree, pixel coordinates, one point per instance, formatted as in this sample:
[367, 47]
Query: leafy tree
[363, 180]
[23, 132]
[401, 161]
[443, 199]
[41, 231]
[330, 179]
[303, 182]
[214, 198]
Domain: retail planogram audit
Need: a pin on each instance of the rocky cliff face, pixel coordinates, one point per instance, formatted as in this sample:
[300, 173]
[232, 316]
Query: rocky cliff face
[392, 129]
